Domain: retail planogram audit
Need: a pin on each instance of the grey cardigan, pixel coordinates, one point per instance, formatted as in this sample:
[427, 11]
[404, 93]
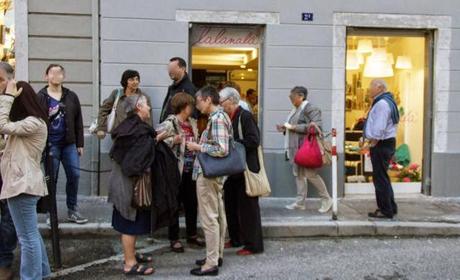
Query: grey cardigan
[296, 137]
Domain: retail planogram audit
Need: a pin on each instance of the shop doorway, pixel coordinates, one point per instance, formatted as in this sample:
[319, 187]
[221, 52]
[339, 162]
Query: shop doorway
[403, 59]
[228, 55]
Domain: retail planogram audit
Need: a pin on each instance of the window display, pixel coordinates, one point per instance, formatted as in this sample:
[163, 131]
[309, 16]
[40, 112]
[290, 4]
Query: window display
[400, 61]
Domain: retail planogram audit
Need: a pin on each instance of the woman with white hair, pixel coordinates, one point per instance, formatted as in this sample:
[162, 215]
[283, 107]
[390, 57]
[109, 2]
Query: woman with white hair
[133, 136]
[242, 211]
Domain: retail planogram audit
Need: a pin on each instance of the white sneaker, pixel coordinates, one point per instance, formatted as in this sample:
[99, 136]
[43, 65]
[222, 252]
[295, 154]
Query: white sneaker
[296, 206]
[326, 205]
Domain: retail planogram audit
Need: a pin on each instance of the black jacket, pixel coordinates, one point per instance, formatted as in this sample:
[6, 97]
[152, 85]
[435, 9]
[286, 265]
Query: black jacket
[165, 183]
[185, 85]
[251, 137]
[134, 146]
[72, 114]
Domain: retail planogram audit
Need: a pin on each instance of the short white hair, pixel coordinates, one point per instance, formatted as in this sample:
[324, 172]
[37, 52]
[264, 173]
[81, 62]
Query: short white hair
[230, 94]
[380, 83]
[132, 101]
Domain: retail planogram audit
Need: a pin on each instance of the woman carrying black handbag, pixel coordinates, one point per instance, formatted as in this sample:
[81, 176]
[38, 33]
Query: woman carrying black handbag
[214, 141]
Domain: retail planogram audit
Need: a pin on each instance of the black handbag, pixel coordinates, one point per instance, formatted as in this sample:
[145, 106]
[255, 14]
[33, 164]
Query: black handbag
[233, 163]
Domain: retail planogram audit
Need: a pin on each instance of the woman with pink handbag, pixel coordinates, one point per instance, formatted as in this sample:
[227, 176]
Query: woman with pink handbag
[304, 119]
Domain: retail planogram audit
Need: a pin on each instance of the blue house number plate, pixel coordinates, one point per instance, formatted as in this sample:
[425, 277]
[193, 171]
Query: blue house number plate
[307, 16]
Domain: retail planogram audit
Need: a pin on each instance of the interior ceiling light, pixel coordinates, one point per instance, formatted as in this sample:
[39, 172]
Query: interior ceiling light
[364, 46]
[403, 62]
[352, 60]
[377, 68]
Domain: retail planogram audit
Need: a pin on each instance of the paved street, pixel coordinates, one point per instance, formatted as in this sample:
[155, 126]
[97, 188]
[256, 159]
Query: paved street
[354, 258]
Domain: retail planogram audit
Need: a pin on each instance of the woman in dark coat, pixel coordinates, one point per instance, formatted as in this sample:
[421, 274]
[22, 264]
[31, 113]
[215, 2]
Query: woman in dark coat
[126, 219]
[243, 211]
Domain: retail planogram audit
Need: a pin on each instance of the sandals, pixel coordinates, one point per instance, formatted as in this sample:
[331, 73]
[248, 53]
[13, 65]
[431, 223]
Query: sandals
[139, 270]
[144, 258]
[176, 246]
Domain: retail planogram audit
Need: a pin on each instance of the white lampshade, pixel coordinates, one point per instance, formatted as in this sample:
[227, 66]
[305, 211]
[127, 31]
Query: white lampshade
[377, 68]
[390, 58]
[364, 46]
[403, 62]
[352, 60]
[379, 54]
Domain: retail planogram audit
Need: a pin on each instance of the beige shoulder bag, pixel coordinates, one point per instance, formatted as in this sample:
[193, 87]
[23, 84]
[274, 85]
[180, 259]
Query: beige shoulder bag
[257, 184]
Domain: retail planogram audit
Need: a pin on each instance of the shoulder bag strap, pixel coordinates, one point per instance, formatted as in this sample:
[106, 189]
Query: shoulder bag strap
[115, 104]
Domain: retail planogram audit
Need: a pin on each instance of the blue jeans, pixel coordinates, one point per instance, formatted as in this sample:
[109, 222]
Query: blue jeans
[34, 260]
[8, 238]
[70, 159]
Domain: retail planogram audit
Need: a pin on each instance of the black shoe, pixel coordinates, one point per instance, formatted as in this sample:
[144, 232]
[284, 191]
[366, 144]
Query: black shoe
[201, 262]
[196, 241]
[378, 214]
[210, 272]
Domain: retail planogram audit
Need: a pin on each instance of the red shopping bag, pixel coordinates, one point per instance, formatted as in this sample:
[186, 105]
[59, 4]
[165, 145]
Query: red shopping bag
[309, 155]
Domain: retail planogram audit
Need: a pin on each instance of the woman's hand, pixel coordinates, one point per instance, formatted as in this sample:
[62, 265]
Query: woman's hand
[162, 136]
[280, 128]
[177, 139]
[12, 89]
[192, 146]
[100, 134]
[289, 126]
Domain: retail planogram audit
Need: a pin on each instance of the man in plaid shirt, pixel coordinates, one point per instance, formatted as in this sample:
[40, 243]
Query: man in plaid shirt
[209, 190]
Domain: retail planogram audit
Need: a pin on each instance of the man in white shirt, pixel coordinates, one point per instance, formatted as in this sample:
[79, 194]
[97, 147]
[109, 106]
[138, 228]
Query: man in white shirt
[380, 130]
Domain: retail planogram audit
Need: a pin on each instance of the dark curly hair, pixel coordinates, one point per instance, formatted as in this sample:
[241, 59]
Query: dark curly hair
[128, 74]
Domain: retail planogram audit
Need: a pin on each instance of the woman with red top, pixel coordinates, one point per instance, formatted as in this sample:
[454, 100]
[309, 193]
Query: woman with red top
[181, 128]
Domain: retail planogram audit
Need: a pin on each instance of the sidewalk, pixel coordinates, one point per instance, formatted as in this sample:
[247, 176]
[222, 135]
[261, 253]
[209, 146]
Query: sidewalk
[418, 216]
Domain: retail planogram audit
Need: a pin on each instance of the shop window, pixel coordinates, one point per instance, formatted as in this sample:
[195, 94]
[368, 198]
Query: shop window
[400, 61]
[7, 32]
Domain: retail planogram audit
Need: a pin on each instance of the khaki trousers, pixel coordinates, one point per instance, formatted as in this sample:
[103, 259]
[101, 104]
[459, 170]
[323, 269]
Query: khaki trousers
[312, 176]
[212, 217]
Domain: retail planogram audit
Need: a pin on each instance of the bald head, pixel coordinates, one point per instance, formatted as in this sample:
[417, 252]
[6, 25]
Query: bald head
[377, 86]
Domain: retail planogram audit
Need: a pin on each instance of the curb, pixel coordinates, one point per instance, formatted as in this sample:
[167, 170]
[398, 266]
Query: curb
[298, 229]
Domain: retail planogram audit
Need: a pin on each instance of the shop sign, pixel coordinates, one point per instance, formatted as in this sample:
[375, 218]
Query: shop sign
[226, 36]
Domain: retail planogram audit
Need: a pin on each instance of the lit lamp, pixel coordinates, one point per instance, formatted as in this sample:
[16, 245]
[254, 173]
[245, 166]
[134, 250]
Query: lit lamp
[364, 46]
[403, 62]
[352, 60]
[379, 54]
[376, 68]
[390, 58]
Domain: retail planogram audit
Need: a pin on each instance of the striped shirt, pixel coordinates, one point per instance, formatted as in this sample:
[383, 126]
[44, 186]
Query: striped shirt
[218, 145]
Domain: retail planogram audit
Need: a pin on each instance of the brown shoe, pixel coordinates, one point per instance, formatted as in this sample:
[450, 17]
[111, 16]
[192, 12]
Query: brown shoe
[6, 273]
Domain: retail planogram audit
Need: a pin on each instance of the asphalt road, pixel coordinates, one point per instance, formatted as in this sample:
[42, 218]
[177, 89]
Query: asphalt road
[325, 259]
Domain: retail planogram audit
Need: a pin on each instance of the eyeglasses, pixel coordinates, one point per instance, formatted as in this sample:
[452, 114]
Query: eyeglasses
[222, 101]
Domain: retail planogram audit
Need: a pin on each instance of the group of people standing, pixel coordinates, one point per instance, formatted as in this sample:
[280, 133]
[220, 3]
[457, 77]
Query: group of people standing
[162, 161]
[187, 189]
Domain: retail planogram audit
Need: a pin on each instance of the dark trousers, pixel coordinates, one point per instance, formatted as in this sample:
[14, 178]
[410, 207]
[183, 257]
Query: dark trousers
[243, 215]
[380, 157]
[187, 196]
[8, 239]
